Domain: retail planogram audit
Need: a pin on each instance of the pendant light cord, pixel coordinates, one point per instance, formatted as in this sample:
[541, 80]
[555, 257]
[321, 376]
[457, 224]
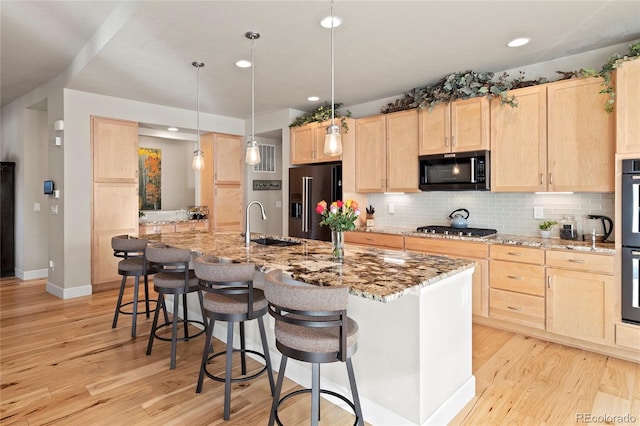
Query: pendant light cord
[332, 71]
[198, 103]
[253, 96]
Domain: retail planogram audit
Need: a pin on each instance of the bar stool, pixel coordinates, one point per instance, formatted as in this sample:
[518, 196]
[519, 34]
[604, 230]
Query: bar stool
[312, 326]
[134, 264]
[173, 277]
[231, 297]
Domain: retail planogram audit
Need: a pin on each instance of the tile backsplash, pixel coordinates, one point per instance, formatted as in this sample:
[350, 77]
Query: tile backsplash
[509, 213]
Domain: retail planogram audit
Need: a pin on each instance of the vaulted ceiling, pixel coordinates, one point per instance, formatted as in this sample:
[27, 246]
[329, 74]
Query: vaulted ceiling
[143, 50]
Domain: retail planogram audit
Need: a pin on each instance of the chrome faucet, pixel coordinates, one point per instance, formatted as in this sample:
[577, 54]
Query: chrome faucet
[247, 233]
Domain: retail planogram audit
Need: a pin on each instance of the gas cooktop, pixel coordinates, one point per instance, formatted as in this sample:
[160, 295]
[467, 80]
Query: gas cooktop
[463, 232]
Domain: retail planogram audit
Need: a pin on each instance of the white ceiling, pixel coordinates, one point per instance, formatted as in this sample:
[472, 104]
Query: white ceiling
[144, 50]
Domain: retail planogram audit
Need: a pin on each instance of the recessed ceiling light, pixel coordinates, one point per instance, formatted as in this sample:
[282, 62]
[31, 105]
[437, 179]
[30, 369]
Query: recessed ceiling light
[172, 129]
[313, 98]
[243, 63]
[520, 41]
[326, 22]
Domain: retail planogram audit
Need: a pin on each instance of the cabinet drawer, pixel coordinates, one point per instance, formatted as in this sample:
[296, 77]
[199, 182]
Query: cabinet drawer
[375, 239]
[517, 308]
[580, 261]
[447, 247]
[521, 278]
[628, 336]
[513, 253]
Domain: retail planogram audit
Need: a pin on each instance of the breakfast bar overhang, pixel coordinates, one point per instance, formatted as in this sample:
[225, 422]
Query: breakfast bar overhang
[413, 364]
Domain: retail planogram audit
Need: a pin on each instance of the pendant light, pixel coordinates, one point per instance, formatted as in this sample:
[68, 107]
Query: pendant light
[253, 153]
[198, 155]
[332, 140]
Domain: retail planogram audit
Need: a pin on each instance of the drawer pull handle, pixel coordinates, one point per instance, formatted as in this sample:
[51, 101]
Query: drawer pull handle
[514, 308]
[576, 260]
[515, 277]
[513, 253]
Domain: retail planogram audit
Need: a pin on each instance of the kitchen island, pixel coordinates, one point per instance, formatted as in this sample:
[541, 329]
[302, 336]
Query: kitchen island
[413, 364]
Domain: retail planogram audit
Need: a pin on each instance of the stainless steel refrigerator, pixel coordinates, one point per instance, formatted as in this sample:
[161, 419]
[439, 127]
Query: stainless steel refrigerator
[307, 186]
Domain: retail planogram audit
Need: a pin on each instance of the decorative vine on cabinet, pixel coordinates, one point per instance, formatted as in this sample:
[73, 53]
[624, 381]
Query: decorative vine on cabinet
[458, 126]
[559, 138]
[387, 152]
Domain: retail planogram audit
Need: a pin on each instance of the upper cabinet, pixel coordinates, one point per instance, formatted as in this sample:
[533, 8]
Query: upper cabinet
[565, 143]
[307, 143]
[519, 142]
[580, 137]
[387, 152]
[628, 107]
[458, 126]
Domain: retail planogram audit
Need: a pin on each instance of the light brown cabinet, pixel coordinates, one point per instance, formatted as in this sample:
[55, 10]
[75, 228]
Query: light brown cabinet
[576, 154]
[163, 228]
[387, 153]
[627, 107]
[307, 143]
[221, 181]
[115, 191]
[579, 297]
[375, 239]
[458, 126]
[461, 249]
[516, 278]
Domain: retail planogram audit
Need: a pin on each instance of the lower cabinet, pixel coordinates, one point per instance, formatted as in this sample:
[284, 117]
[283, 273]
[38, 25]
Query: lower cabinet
[461, 249]
[580, 296]
[516, 278]
[164, 228]
[375, 239]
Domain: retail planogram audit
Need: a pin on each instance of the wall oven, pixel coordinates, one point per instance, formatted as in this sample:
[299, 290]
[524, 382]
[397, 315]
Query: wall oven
[459, 171]
[631, 241]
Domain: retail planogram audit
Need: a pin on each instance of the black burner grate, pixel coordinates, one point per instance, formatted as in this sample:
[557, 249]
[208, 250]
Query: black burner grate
[448, 230]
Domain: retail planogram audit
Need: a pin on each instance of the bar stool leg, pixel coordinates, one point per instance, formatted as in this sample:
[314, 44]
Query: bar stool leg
[174, 331]
[154, 325]
[243, 359]
[134, 313]
[267, 357]
[146, 294]
[315, 394]
[115, 316]
[354, 392]
[227, 378]
[205, 354]
[276, 395]
[185, 317]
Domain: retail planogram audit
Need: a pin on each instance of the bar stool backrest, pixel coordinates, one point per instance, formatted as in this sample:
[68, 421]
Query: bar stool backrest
[127, 247]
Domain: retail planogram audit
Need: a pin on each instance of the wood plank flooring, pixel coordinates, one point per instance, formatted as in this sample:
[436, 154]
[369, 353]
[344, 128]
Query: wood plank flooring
[61, 363]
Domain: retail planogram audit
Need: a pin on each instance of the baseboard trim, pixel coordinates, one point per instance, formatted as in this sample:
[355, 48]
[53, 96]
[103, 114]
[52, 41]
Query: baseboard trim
[68, 293]
[31, 275]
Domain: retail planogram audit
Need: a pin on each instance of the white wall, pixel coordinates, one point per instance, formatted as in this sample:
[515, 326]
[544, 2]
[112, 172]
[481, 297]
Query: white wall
[177, 178]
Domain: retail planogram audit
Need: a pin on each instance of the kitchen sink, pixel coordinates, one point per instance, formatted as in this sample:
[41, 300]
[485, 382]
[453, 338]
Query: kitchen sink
[275, 242]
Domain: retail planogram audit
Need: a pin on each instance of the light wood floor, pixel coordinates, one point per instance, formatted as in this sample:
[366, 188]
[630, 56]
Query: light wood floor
[61, 363]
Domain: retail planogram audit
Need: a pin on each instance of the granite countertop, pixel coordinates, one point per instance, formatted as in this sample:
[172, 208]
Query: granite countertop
[376, 274]
[521, 240]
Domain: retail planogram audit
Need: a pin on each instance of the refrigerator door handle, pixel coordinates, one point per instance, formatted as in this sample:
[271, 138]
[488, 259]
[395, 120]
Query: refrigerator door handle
[305, 203]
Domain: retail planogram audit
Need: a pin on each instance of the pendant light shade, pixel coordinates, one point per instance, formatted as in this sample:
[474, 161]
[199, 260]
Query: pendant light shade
[333, 139]
[253, 153]
[198, 155]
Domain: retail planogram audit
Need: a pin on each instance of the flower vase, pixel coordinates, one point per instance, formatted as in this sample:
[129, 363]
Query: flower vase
[337, 244]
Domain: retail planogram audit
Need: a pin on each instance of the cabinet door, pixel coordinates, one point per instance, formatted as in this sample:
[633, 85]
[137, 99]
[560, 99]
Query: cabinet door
[402, 151]
[370, 154]
[470, 125]
[628, 107]
[227, 207]
[580, 305]
[115, 191]
[434, 130]
[581, 137]
[303, 144]
[519, 142]
[227, 159]
[320, 131]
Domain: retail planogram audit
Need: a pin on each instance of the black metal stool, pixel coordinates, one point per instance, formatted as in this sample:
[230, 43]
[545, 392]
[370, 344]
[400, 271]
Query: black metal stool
[173, 277]
[134, 264]
[230, 296]
[312, 326]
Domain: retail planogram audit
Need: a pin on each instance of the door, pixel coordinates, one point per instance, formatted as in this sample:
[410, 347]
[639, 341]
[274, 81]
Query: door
[115, 191]
[402, 151]
[371, 154]
[470, 125]
[434, 129]
[228, 170]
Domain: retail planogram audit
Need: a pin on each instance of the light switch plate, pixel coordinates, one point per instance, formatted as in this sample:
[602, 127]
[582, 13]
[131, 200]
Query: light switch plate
[538, 212]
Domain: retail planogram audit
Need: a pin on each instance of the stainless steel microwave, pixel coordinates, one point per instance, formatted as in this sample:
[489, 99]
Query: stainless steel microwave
[459, 171]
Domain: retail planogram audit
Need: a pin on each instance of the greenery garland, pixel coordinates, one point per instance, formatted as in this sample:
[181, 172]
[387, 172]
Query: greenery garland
[322, 113]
